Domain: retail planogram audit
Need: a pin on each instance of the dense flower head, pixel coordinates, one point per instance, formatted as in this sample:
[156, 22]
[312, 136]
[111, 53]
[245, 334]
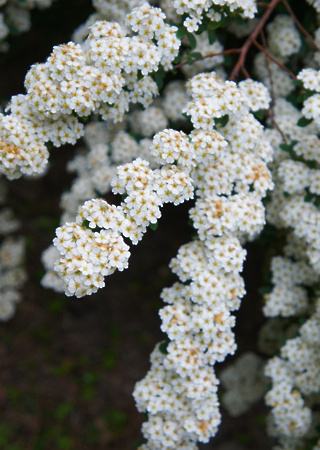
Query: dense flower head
[103, 75]
[116, 11]
[148, 122]
[196, 10]
[277, 80]
[181, 410]
[87, 257]
[171, 146]
[310, 79]
[227, 160]
[174, 99]
[145, 190]
[243, 382]
[225, 98]
[257, 94]
[283, 36]
[12, 275]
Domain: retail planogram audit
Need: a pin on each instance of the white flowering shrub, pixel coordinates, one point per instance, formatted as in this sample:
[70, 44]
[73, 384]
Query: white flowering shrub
[215, 104]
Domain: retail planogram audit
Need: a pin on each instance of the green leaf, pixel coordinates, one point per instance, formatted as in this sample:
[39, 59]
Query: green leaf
[286, 147]
[163, 347]
[308, 198]
[49, 145]
[189, 60]
[226, 20]
[260, 419]
[84, 119]
[153, 226]
[214, 25]
[181, 32]
[265, 290]
[211, 36]
[240, 20]
[228, 61]
[85, 224]
[302, 320]
[192, 40]
[259, 114]
[297, 83]
[303, 122]
[196, 55]
[158, 78]
[176, 60]
[269, 386]
[222, 121]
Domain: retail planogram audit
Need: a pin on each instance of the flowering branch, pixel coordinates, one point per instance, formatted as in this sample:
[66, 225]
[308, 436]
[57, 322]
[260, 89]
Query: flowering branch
[245, 48]
[273, 120]
[211, 55]
[264, 43]
[299, 25]
[273, 59]
[263, 4]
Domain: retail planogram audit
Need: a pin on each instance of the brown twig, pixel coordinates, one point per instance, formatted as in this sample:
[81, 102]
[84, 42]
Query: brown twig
[274, 59]
[299, 25]
[211, 55]
[245, 72]
[264, 43]
[244, 49]
[273, 120]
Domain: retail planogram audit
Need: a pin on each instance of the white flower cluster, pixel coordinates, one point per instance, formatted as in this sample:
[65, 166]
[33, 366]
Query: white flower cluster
[106, 10]
[289, 417]
[288, 297]
[8, 222]
[149, 23]
[288, 207]
[295, 373]
[213, 9]
[12, 275]
[12, 249]
[197, 318]
[174, 100]
[244, 384]
[94, 172]
[257, 94]
[181, 410]
[311, 106]
[108, 146]
[115, 11]
[245, 28]
[100, 76]
[283, 42]
[204, 48]
[221, 170]
[283, 37]
[148, 122]
[295, 379]
[315, 4]
[92, 252]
